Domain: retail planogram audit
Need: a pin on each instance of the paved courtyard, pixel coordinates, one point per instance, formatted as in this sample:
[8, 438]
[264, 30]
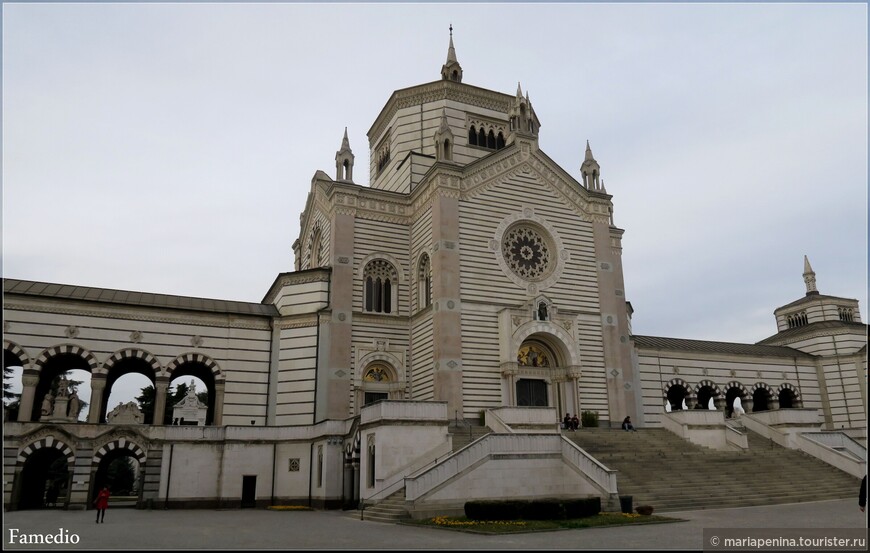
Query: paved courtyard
[129, 529]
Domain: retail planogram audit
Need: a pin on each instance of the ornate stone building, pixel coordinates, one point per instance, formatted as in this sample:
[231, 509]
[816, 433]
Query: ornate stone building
[472, 277]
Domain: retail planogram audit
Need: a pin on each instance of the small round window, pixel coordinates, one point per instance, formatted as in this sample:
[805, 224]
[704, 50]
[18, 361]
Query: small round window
[527, 252]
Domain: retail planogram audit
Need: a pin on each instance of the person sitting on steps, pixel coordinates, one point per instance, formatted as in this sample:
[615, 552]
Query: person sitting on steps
[626, 425]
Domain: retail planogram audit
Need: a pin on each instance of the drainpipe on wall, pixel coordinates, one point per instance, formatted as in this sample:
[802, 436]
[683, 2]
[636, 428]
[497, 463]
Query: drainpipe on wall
[274, 460]
[310, 465]
[168, 477]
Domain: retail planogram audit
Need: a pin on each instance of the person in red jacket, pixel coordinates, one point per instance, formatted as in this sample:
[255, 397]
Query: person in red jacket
[102, 503]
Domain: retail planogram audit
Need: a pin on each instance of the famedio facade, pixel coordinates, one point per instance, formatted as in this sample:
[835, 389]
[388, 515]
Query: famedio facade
[473, 278]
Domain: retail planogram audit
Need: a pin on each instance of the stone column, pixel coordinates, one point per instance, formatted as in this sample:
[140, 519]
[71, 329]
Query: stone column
[773, 402]
[691, 402]
[720, 403]
[29, 380]
[161, 385]
[747, 404]
[219, 403]
[98, 386]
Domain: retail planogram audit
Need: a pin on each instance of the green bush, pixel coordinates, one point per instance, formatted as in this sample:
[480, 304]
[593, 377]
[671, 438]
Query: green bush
[589, 419]
[538, 509]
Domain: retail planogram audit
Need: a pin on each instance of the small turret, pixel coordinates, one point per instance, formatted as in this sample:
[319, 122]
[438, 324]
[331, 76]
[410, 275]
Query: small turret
[344, 160]
[444, 140]
[591, 172]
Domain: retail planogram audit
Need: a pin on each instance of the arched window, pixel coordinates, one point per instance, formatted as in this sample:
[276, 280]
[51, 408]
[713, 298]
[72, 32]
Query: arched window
[534, 354]
[490, 140]
[481, 137]
[472, 136]
[499, 141]
[447, 153]
[424, 282]
[846, 314]
[380, 280]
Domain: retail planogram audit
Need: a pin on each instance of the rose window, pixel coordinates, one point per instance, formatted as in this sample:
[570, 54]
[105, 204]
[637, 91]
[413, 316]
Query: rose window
[526, 252]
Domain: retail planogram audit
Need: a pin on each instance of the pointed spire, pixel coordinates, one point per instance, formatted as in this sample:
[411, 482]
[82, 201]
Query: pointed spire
[589, 152]
[451, 51]
[445, 127]
[519, 90]
[345, 143]
[809, 277]
[344, 160]
[591, 171]
[451, 70]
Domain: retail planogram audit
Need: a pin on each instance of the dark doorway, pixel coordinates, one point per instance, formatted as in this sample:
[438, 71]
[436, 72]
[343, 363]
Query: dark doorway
[531, 393]
[44, 480]
[249, 492]
[760, 400]
[676, 394]
[372, 397]
[705, 394]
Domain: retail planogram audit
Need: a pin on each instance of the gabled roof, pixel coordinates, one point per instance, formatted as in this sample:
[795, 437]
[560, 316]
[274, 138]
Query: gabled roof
[814, 327]
[13, 286]
[705, 346]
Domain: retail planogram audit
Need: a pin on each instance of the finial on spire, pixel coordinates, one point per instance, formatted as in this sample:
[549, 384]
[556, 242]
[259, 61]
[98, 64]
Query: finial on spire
[809, 277]
[345, 143]
[451, 30]
[519, 90]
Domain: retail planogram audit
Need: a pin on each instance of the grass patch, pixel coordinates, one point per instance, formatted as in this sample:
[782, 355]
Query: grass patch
[464, 524]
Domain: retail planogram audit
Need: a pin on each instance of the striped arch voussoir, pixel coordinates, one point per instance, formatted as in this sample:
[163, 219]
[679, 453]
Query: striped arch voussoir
[195, 358]
[119, 443]
[677, 382]
[47, 442]
[708, 384]
[787, 386]
[129, 353]
[760, 386]
[16, 350]
[71, 349]
[739, 386]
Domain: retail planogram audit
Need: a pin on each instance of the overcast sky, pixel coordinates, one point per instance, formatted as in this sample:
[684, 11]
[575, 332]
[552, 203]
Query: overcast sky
[169, 148]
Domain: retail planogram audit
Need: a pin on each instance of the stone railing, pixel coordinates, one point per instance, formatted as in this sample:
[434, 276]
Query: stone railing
[852, 463]
[531, 420]
[803, 418]
[602, 477]
[492, 444]
[398, 410]
[395, 481]
[735, 438]
[699, 426]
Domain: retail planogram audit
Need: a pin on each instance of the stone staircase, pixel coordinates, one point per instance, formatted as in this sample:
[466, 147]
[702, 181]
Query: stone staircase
[658, 468]
[464, 435]
[392, 509]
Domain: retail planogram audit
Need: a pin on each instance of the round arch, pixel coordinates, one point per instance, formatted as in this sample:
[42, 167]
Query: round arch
[676, 390]
[400, 270]
[46, 466]
[763, 397]
[53, 362]
[206, 369]
[704, 391]
[67, 349]
[379, 378]
[733, 390]
[789, 396]
[130, 353]
[17, 351]
[553, 335]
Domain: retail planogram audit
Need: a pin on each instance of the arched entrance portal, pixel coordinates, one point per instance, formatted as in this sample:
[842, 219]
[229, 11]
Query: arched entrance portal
[206, 370]
[734, 391]
[119, 469]
[531, 391]
[45, 480]
[55, 367]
